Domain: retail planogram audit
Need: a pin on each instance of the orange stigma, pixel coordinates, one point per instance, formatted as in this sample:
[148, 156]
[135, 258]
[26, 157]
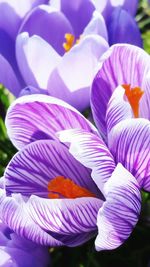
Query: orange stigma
[66, 188]
[69, 41]
[133, 95]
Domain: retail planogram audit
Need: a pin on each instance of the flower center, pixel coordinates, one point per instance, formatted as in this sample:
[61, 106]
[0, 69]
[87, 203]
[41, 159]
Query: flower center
[133, 95]
[61, 187]
[70, 41]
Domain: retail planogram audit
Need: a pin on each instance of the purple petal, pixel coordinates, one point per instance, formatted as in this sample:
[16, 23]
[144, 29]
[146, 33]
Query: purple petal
[14, 214]
[12, 13]
[120, 212]
[96, 26]
[35, 66]
[73, 240]
[30, 90]
[122, 28]
[117, 109]
[130, 6]
[56, 27]
[6, 259]
[8, 77]
[79, 13]
[90, 150]
[106, 7]
[17, 257]
[65, 216]
[129, 142]
[121, 64]
[35, 117]
[144, 105]
[75, 72]
[32, 168]
[7, 49]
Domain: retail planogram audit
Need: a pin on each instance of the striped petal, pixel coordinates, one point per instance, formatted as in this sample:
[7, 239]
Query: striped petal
[35, 117]
[144, 107]
[91, 151]
[14, 214]
[117, 109]
[129, 142]
[65, 216]
[31, 169]
[120, 212]
[121, 64]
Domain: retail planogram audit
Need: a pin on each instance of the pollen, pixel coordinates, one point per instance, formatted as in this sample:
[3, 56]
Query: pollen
[61, 187]
[69, 41]
[133, 95]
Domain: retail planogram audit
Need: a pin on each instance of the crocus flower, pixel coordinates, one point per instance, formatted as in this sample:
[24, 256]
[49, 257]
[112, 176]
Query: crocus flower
[67, 64]
[52, 197]
[19, 252]
[12, 15]
[68, 77]
[124, 65]
[122, 115]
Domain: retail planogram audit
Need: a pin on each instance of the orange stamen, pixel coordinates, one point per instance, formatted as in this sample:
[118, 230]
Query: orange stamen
[67, 188]
[133, 95]
[69, 41]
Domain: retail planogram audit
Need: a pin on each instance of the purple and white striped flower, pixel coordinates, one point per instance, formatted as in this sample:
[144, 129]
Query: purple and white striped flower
[121, 108]
[61, 196]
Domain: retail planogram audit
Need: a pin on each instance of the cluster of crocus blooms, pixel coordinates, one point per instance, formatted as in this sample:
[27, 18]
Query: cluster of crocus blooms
[45, 37]
[71, 181]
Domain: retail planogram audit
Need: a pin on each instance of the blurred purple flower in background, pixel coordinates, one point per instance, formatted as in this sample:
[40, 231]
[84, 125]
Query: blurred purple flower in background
[19, 252]
[61, 201]
[67, 39]
[12, 14]
[120, 21]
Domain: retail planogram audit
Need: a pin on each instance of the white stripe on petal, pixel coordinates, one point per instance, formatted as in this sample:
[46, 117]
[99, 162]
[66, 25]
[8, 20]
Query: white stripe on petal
[120, 212]
[129, 142]
[14, 214]
[117, 109]
[35, 117]
[90, 150]
[65, 216]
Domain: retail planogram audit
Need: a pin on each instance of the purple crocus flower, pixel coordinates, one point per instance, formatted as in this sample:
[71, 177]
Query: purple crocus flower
[19, 252]
[67, 64]
[68, 77]
[122, 115]
[62, 202]
[12, 15]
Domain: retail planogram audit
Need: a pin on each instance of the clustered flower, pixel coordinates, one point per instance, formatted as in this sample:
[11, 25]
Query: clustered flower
[70, 180]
